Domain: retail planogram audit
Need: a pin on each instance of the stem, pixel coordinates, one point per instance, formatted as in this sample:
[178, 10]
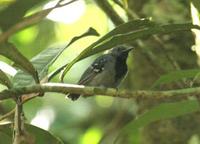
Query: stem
[18, 123]
[112, 14]
[10, 113]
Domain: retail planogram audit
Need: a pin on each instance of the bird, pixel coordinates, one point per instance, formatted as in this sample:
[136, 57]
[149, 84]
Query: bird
[107, 70]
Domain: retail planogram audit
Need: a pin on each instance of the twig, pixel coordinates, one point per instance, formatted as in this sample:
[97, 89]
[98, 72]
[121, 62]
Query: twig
[30, 20]
[7, 114]
[18, 132]
[105, 5]
[25, 98]
[129, 12]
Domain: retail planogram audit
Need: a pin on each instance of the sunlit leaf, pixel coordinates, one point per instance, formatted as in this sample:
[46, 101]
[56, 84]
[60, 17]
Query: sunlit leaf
[8, 50]
[44, 59]
[6, 68]
[33, 135]
[160, 112]
[195, 15]
[92, 135]
[90, 32]
[175, 76]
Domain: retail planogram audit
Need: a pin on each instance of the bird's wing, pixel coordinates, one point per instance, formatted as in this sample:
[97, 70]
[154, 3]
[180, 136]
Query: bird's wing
[96, 67]
[91, 72]
[88, 77]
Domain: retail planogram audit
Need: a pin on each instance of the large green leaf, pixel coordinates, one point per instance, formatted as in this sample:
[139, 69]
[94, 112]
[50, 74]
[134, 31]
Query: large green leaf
[125, 28]
[160, 112]
[16, 11]
[41, 62]
[121, 29]
[8, 50]
[123, 37]
[44, 59]
[141, 33]
[34, 135]
[175, 76]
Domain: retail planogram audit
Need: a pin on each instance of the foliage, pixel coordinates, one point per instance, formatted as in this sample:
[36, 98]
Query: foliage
[44, 67]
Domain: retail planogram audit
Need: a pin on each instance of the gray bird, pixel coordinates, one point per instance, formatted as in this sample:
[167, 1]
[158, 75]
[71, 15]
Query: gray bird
[107, 70]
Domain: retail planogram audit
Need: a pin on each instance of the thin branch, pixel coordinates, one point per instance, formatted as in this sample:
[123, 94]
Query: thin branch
[8, 114]
[112, 14]
[18, 123]
[30, 20]
[91, 91]
[126, 9]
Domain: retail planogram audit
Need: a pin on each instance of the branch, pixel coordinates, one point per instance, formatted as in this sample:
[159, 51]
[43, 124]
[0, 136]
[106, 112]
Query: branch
[30, 20]
[8, 114]
[91, 91]
[18, 133]
[112, 14]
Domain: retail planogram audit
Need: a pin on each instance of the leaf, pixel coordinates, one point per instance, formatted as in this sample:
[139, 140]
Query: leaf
[123, 28]
[4, 79]
[160, 112]
[90, 32]
[41, 62]
[34, 134]
[141, 33]
[15, 12]
[8, 50]
[175, 76]
[9, 70]
[44, 59]
[124, 36]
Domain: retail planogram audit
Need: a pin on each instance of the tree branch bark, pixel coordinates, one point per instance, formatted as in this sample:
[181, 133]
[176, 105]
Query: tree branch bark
[90, 91]
[18, 134]
[112, 14]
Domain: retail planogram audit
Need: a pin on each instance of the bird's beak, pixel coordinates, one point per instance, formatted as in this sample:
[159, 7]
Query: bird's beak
[128, 49]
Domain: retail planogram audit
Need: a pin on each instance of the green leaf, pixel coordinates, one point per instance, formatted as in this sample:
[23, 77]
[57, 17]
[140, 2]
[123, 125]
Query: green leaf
[123, 28]
[127, 35]
[8, 50]
[160, 112]
[15, 12]
[34, 134]
[175, 76]
[44, 60]
[41, 62]
[141, 33]
[90, 32]
[5, 80]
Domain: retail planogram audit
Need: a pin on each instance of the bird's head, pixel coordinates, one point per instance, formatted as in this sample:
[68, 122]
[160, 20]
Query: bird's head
[121, 51]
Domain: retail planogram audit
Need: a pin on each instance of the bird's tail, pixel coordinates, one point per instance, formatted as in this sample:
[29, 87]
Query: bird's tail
[73, 96]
